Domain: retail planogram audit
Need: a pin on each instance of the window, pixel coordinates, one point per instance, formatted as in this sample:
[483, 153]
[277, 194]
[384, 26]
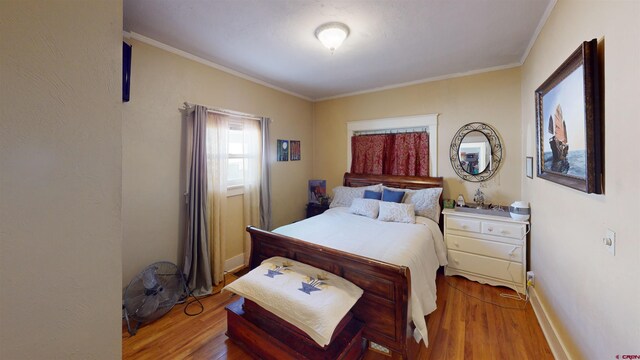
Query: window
[237, 158]
[430, 122]
[234, 153]
[235, 176]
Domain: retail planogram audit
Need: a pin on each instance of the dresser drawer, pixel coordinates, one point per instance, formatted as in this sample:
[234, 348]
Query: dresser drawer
[496, 268]
[487, 248]
[454, 223]
[515, 231]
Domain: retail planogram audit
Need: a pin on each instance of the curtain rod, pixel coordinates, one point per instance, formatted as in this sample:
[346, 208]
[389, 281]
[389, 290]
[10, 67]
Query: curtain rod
[226, 112]
[392, 131]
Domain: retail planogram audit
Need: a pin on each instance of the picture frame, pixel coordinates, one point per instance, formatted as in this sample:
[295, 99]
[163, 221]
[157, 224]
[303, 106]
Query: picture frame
[317, 191]
[529, 167]
[294, 150]
[568, 118]
[283, 150]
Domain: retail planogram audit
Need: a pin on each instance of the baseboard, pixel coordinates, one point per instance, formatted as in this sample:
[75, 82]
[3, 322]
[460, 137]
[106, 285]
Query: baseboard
[235, 263]
[558, 348]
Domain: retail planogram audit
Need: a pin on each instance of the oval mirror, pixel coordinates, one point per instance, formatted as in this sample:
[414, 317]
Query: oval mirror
[476, 152]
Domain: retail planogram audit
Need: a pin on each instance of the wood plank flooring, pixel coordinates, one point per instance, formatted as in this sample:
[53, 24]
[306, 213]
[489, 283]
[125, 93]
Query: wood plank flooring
[463, 327]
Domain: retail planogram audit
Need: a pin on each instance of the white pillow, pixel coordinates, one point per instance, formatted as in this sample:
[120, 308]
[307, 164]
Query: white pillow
[403, 213]
[366, 207]
[426, 202]
[343, 196]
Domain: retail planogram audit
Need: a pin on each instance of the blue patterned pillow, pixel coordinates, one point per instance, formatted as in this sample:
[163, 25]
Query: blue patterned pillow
[392, 196]
[376, 195]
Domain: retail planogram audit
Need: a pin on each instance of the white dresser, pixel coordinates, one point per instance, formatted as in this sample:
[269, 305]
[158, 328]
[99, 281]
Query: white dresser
[486, 248]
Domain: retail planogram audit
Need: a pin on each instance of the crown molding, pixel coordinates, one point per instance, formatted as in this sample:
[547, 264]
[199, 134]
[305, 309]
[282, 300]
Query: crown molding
[536, 33]
[422, 81]
[184, 54]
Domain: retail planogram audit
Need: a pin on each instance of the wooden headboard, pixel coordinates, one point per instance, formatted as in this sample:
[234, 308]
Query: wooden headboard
[396, 181]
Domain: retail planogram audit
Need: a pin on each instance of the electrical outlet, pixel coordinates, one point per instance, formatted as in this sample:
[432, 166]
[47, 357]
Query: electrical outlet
[609, 240]
[530, 278]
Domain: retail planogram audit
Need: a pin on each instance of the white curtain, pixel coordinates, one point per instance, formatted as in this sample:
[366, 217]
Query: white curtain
[217, 163]
[252, 168]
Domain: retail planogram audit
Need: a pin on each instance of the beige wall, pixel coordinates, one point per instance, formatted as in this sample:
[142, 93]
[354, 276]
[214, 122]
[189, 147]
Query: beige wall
[592, 297]
[492, 98]
[60, 179]
[153, 151]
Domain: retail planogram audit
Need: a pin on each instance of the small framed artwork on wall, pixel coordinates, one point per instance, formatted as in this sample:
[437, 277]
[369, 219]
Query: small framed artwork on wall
[294, 146]
[529, 167]
[283, 150]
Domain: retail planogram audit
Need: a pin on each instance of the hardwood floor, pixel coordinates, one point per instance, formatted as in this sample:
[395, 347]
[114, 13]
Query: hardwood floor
[463, 327]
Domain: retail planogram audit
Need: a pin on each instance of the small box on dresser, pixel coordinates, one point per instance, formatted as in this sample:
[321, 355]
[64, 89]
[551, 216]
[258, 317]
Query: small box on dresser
[489, 249]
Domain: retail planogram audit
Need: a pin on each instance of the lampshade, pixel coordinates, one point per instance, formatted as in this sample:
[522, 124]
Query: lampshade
[332, 34]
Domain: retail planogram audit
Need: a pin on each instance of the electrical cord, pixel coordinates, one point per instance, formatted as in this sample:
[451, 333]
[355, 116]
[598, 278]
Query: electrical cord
[487, 301]
[196, 299]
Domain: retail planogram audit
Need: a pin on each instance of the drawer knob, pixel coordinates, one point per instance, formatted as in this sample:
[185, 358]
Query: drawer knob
[464, 227]
[490, 229]
[504, 232]
[456, 261]
[455, 243]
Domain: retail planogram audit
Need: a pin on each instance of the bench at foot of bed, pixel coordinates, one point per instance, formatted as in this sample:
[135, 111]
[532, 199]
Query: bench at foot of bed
[271, 338]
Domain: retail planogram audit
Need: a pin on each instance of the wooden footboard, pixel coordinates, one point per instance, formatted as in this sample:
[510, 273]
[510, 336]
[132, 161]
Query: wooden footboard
[383, 306]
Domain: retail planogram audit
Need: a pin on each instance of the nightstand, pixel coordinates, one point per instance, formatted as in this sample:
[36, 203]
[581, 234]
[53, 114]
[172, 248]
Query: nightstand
[314, 209]
[489, 249]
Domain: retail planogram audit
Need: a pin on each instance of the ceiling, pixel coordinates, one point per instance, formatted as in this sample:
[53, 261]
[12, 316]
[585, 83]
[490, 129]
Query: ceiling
[392, 42]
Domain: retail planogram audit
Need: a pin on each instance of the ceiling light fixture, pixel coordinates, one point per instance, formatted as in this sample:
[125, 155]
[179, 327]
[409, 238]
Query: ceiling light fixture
[332, 34]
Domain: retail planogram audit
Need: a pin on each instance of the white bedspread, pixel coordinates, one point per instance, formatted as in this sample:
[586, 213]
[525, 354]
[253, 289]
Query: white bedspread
[418, 246]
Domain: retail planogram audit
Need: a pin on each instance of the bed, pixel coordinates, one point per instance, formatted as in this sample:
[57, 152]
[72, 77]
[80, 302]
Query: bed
[385, 307]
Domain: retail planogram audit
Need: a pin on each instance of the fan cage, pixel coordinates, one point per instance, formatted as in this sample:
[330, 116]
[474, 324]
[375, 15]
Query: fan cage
[161, 282]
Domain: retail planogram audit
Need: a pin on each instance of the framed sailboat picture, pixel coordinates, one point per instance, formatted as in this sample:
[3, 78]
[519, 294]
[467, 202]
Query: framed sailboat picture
[568, 120]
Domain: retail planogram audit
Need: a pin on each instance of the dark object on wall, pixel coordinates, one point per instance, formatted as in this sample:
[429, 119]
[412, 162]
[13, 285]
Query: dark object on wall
[568, 119]
[126, 71]
[283, 150]
[295, 149]
[529, 167]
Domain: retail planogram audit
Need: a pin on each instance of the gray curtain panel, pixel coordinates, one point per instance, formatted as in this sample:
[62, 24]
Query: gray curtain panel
[265, 184]
[197, 266]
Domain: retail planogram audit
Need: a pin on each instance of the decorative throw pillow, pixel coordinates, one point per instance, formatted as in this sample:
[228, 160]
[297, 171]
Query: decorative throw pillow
[392, 196]
[368, 194]
[426, 202]
[366, 207]
[403, 213]
[343, 196]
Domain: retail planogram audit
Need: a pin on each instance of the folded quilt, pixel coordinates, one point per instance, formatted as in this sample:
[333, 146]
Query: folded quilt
[311, 299]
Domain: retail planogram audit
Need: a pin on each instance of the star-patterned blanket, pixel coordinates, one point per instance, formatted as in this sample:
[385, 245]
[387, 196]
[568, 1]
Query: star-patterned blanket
[309, 298]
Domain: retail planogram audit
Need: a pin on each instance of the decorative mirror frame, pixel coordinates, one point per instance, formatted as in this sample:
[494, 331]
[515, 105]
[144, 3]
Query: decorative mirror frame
[496, 151]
